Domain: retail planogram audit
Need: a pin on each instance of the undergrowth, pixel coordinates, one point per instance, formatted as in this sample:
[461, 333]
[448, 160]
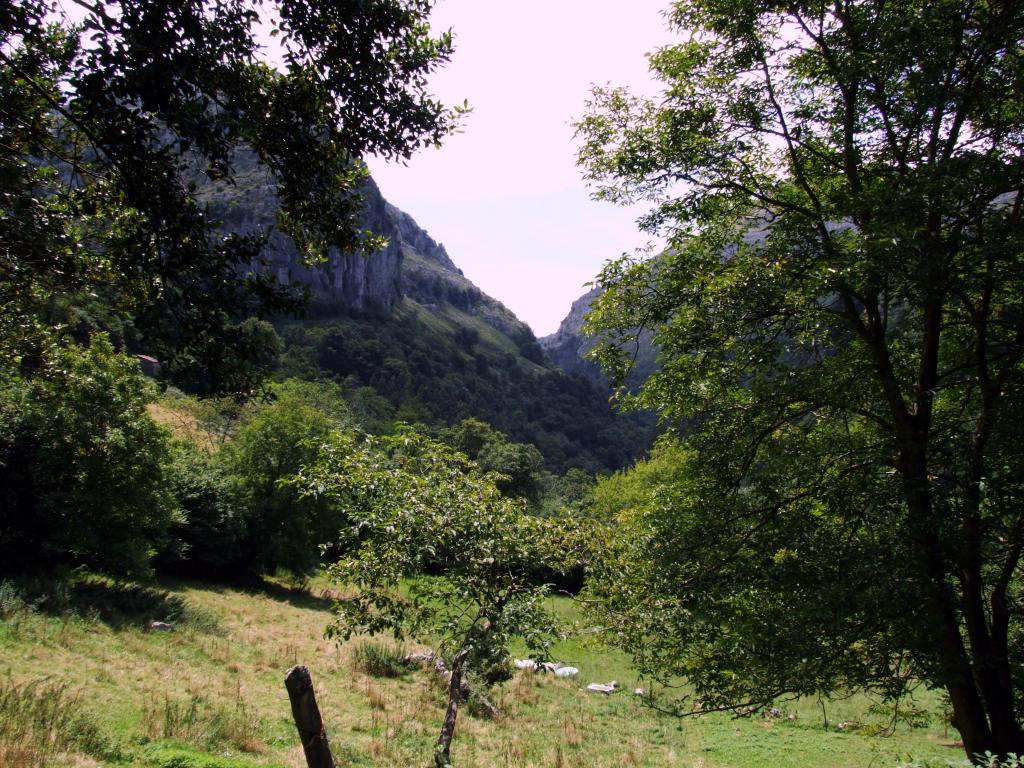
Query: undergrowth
[41, 721]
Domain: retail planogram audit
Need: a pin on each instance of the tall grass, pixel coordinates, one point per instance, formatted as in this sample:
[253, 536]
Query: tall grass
[204, 723]
[40, 723]
[379, 659]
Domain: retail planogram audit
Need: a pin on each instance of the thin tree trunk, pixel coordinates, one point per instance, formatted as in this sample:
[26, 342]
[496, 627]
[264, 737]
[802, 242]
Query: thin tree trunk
[442, 752]
[988, 644]
[989, 641]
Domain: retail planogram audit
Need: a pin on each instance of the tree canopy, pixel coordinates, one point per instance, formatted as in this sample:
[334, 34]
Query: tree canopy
[107, 124]
[839, 313]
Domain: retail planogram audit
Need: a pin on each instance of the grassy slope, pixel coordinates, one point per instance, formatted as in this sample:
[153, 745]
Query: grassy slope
[230, 654]
[446, 319]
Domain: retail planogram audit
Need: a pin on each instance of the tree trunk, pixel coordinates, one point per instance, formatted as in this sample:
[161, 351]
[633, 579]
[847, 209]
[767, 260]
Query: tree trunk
[442, 752]
[988, 642]
[940, 636]
[307, 718]
[436, 664]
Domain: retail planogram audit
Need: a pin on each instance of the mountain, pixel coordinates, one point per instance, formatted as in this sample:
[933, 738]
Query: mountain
[568, 347]
[411, 338]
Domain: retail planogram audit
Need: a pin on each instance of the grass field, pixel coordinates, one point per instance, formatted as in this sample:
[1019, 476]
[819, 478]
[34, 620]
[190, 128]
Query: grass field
[84, 682]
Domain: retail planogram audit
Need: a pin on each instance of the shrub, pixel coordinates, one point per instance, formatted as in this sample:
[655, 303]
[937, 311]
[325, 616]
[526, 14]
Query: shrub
[283, 529]
[12, 600]
[206, 540]
[379, 659]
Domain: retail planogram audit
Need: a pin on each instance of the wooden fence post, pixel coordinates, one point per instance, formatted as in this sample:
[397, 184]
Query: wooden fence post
[307, 718]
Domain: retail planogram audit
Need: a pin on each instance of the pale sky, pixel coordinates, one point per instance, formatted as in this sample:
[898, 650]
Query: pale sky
[505, 197]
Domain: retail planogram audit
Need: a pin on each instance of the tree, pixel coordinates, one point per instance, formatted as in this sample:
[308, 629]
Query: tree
[82, 465]
[839, 313]
[284, 529]
[108, 126]
[517, 466]
[568, 495]
[617, 494]
[414, 506]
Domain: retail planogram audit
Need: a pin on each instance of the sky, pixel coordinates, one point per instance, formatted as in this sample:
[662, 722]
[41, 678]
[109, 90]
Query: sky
[505, 197]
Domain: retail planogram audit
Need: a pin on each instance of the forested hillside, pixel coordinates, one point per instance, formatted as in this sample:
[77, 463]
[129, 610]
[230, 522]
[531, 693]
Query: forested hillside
[412, 339]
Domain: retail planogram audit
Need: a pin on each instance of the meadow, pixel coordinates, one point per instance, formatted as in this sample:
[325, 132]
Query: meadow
[85, 682]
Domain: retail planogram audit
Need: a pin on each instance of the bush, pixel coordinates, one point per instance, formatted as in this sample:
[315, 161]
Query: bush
[12, 601]
[283, 530]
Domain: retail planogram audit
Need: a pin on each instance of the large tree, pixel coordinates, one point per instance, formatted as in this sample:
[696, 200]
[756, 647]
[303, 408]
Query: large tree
[109, 124]
[840, 314]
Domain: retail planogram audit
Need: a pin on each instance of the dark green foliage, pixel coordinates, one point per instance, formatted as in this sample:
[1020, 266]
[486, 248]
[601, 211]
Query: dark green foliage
[413, 366]
[82, 478]
[207, 538]
[519, 465]
[237, 518]
[32, 230]
[570, 494]
[251, 346]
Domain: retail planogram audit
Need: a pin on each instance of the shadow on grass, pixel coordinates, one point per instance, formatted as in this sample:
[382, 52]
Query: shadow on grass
[118, 604]
[296, 596]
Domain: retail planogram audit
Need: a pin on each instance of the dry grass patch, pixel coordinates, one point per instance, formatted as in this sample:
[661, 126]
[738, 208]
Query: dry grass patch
[182, 424]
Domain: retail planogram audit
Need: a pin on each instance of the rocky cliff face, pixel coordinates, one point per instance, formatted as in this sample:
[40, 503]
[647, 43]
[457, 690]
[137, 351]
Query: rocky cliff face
[568, 346]
[413, 264]
[411, 338]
